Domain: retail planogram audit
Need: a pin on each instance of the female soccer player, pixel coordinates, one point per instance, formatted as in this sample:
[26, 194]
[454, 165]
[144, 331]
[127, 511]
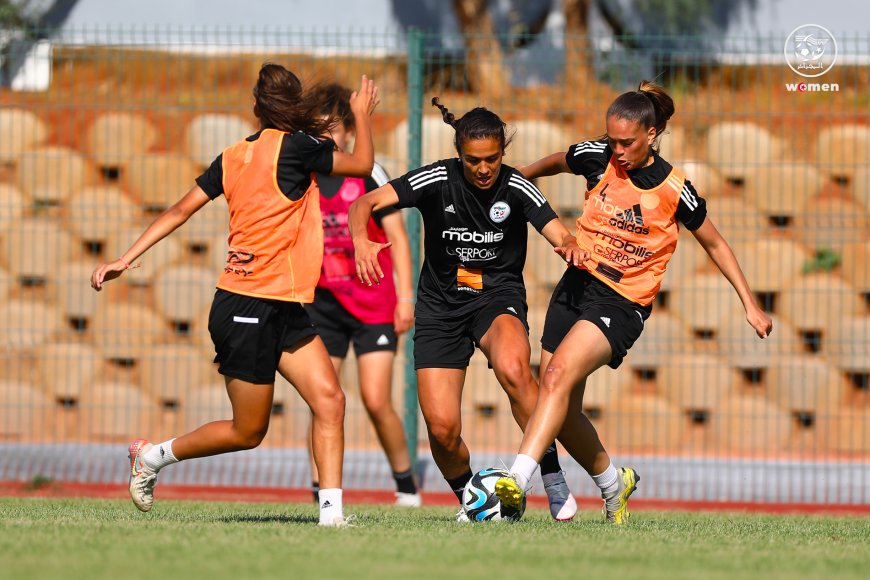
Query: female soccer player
[371, 316]
[276, 245]
[629, 227]
[471, 290]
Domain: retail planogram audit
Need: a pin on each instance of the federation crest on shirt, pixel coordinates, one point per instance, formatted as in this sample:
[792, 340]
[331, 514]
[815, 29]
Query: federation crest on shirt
[499, 212]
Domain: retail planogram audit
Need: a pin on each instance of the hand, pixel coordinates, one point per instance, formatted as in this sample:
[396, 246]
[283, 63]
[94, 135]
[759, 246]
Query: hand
[403, 319]
[571, 252]
[106, 272]
[364, 101]
[368, 269]
[760, 321]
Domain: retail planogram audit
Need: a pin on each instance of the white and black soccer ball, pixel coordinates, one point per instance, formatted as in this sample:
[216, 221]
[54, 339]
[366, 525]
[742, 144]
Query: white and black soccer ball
[480, 502]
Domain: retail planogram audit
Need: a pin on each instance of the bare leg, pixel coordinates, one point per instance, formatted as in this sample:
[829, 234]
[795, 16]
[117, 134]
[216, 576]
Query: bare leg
[315, 476]
[440, 394]
[375, 383]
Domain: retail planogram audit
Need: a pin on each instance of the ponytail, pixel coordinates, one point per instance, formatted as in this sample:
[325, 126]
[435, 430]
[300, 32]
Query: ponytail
[478, 123]
[280, 103]
[649, 105]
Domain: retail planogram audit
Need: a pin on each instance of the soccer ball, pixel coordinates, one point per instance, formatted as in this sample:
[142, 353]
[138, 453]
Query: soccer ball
[480, 502]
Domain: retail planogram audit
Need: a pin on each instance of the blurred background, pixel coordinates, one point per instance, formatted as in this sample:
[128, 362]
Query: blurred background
[110, 109]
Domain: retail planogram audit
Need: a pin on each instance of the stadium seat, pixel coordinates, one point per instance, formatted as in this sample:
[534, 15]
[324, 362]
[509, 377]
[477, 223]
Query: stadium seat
[169, 371]
[842, 149]
[116, 412]
[847, 431]
[437, 143]
[116, 138]
[664, 334]
[206, 403]
[832, 222]
[702, 300]
[815, 302]
[26, 324]
[674, 145]
[182, 292]
[66, 368]
[13, 205]
[604, 388]
[740, 346]
[566, 193]
[20, 130]
[533, 139]
[199, 335]
[545, 265]
[688, 260]
[642, 422]
[737, 148]
[160, 256]
[96, 212]
[24, 412]
[36, 248]
[737, 219]
[72, 291]
[750, 424]
[207, 135]
[696, 382]
[769, 264]
[860, 186]
[848, 344]
[855, 265]
[126, 331]
[705, 179]
[7, 284]
[210, 222]
[217, 254]
[782, 190]
[160, 180]
[805, 384]
[50, 174]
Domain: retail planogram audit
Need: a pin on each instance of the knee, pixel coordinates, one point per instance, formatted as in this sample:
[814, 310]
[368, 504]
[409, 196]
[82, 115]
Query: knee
[251, 437]
[444, 433]
[329, 404]
[516, 376]
[378, 408]
[553, 380]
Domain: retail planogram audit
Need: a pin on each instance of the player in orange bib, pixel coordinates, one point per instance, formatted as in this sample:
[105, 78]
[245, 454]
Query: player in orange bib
[257, 321]
[631, 214]
[471, 293]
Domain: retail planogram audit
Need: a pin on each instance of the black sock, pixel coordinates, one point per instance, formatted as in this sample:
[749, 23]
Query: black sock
[315, 489]
[405, 482]
[550, 461]
[458, 484]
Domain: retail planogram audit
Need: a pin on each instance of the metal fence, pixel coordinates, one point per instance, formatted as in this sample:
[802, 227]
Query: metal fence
[102, 129]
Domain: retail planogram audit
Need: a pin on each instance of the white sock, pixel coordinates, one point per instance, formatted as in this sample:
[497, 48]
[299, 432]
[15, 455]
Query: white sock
[607, 482]
[160, 455]
[523, 469]
[330, 505]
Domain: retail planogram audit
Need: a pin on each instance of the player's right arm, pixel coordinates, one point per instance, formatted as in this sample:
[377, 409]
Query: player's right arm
[360, 162]
[552, 164]
[166, 223]
[368, 269]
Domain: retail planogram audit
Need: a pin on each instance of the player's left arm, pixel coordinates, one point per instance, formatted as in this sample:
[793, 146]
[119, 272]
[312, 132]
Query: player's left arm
[564, 243]
[394, 228]
[722, 255]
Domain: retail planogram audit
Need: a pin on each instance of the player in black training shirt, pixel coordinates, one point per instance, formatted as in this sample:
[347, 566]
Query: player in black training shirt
[631, 214]
[471, 289]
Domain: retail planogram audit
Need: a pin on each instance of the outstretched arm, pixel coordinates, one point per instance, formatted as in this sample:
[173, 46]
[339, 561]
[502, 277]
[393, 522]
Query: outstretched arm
[720, 252]
[360, 162]
[564, 243]
[394, 228]
[161, 227]
[549, 165]
[366, 251]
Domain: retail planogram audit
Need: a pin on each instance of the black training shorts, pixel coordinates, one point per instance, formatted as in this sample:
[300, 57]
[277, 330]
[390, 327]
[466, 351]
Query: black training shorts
[581, 296]
[249, 334]
[447, 341]
[337, 328]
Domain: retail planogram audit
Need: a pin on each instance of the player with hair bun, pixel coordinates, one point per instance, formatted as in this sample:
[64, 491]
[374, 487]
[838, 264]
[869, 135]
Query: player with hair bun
[471, 292]
[634, 203]
[257, 321]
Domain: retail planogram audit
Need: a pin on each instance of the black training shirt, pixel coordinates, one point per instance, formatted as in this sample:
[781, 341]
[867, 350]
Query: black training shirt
[484, 232]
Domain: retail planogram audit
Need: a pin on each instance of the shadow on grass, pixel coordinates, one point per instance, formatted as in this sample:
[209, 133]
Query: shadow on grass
[281, 518]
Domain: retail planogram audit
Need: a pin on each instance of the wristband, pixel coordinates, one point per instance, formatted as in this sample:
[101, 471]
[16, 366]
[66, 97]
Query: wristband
[126, 265]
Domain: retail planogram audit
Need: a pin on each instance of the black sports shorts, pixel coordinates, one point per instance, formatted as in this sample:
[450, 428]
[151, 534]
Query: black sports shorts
[249, 334]
[448, 341]
[338, 327]
[581, 296]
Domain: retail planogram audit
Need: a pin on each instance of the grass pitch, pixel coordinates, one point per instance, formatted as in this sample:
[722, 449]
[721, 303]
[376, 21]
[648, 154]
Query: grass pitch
[51, 538]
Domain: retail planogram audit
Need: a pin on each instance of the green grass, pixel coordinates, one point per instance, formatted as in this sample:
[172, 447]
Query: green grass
[48, 538]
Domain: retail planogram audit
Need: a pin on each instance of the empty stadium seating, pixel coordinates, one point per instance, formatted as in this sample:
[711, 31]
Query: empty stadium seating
[114, 138]
[664, 334]
[737, 148]
[801, 384]
[642, 422]
[209, 134]
[737, 219]
[50, 174]
[696, 383]
[124, 332]
[702, 300]
[95, 213]
[855, 265]
[207, 402]
[815, 302]
[20, 130]
[160, 180]
[13, 205]
[26, 324]
[750, 424]
[832, 222]
[842, 149]
[169, 371]
[782, 190]
[182, 292]
[24, 412]
[160, 256]
[113, 411]
[66, 368]
[740, 346]
[36, 248]
[848, 343]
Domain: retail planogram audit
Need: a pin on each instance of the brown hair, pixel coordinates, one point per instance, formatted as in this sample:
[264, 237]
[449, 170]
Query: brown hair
[650, 105]
[334, 102]
[478, 123]
[280, 103]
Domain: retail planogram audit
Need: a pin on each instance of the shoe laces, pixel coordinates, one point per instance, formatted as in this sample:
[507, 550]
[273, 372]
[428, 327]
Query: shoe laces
[146, 483]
